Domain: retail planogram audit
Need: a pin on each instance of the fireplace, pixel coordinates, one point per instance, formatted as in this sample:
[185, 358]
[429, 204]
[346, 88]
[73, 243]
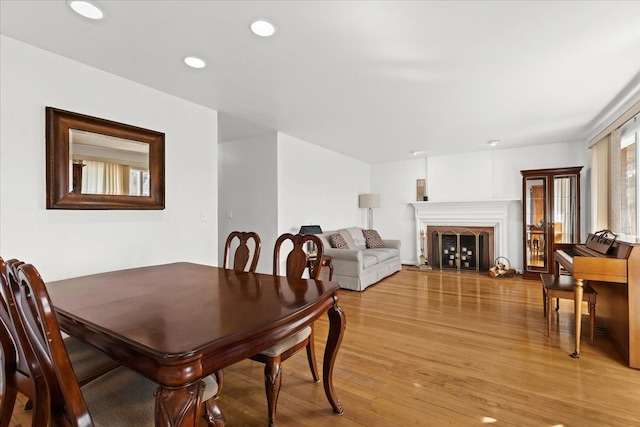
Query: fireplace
[473, 233]
[460, 248]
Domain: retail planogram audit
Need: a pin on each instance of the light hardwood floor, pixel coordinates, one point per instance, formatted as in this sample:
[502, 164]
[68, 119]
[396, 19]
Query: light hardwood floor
[446, 349]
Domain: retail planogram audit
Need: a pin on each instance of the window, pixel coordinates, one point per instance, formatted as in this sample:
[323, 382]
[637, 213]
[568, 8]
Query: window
[629, 183]
[139, 182]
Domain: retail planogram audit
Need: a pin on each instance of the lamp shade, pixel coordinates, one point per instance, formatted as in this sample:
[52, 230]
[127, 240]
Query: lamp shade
[310, 229]
[369, 201]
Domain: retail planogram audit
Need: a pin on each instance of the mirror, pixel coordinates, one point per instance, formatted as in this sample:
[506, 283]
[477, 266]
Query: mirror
[95, 163]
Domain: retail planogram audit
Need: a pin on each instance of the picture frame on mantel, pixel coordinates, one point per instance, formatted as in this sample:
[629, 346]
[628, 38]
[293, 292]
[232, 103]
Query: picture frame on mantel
[421, 190]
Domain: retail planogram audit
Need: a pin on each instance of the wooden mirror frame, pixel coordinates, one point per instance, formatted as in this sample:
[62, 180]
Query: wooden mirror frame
[60, 196]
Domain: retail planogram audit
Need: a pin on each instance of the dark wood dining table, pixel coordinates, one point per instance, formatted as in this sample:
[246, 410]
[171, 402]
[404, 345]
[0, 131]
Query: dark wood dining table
[177, 323]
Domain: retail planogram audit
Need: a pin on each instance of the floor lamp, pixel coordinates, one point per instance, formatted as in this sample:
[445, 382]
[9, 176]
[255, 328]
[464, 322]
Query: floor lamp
[369, 201]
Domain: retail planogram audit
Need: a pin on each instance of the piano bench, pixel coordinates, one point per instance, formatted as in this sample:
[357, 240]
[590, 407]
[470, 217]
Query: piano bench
[563, 287]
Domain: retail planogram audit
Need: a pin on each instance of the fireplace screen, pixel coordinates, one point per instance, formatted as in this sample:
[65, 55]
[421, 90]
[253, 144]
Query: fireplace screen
[461, 248]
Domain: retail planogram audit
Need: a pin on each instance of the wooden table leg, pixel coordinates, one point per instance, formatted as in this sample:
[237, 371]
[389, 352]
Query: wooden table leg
[577, 303]
[337, 324]
[181, 407]
[330, 265]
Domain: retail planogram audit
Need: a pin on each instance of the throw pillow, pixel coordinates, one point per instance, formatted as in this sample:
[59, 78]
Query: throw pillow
[373, 239]
[338, 242]
[358, 238]
[347, 238]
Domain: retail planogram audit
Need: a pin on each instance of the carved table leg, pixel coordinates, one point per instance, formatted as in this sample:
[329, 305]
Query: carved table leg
[181, 407]
[577, 302]
[337, 323]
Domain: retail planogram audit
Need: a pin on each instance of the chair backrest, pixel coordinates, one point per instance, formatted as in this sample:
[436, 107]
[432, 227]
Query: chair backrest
[7, 330]
[242, 253]
[66, 406]
[297, 258]
[17, 352]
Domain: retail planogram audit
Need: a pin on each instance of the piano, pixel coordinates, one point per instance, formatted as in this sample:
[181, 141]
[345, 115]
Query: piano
[612, 268]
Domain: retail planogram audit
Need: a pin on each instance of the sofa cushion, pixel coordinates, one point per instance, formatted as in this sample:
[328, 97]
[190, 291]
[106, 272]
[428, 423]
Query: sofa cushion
[337, 241]
[369, 260]
[380, 254]
[372, 239]
[358, 238]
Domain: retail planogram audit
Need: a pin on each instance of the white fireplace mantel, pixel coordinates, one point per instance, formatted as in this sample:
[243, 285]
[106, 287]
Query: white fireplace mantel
[499, 214]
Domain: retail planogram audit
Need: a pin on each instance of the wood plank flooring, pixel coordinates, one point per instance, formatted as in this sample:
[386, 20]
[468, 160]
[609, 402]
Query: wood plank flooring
[445, 349]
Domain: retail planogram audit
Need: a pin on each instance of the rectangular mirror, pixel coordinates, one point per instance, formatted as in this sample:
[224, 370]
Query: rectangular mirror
[95, 163]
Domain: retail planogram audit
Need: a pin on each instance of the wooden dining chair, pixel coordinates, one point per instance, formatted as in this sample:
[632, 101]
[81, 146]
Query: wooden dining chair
[296, 263]
[120, 397]
[242, 254]
[88, 362]
[16, 374]
[243, 260]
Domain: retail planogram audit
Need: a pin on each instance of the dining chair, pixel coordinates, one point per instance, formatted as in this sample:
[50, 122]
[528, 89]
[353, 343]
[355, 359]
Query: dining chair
[243, 260]
[120, 397]
[241, 256]
[296, 263]
[88, 362]
[16, 374]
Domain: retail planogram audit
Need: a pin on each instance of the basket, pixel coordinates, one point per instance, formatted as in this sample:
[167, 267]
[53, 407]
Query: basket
[502, 268]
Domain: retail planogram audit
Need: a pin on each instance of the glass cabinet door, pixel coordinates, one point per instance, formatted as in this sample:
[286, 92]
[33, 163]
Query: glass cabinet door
[551, 216]
[565, 210]
[535, 206]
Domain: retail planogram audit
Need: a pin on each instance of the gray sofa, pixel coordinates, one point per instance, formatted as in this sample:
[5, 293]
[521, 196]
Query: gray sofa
[358, 267]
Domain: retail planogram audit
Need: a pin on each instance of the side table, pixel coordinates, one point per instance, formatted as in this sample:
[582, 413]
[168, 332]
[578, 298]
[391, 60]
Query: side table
[327, 261]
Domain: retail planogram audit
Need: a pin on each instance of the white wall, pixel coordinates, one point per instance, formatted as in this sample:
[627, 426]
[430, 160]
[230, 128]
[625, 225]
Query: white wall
[248, 188]
[65, 243]
[274, 183]
[318, 186]
[495, 174]
[470, 176]
[395, 219]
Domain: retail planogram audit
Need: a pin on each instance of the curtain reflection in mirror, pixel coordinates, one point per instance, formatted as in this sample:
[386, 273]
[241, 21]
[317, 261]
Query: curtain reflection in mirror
[112, 178]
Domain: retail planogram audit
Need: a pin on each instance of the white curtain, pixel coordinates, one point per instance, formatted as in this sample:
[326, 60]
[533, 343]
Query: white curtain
[105, 178]
[615, 186]
[116, 179]
[600, 185]
[93, 177]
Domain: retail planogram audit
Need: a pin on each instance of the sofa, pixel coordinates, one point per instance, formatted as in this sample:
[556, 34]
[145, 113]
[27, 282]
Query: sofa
[359, 261]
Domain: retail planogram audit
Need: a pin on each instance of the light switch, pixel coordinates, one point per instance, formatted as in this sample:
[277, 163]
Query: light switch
[229, 214]
[203, 216]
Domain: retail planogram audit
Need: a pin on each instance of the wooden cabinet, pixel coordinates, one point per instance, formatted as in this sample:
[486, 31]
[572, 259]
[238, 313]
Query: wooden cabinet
[550, 213]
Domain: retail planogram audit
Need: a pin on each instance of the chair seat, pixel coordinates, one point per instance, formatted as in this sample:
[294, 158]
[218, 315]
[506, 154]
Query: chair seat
[287, 343]
[564, 283]
[123, 398]
[88, 362]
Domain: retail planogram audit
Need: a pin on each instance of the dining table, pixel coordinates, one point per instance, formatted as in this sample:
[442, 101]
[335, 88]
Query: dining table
[180, 322]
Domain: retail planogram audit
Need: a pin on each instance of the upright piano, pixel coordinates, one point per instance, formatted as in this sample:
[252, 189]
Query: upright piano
[612, 268]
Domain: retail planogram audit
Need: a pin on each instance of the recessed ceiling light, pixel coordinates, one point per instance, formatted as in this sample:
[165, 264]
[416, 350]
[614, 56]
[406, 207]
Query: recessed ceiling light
[263, 28]
[195, 62]
[86, 9]
[493, 142]
[415, 152]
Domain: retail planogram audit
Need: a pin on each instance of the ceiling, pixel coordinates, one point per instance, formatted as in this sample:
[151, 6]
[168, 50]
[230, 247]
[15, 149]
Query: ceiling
[371, 80]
